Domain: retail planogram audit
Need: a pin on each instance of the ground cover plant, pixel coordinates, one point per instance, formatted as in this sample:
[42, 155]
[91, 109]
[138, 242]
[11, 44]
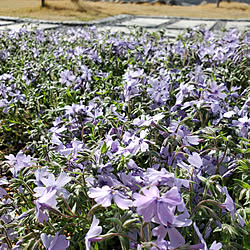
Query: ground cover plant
[124, 141]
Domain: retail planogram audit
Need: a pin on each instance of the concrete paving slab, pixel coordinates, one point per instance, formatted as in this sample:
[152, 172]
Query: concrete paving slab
[18, 26]
[169, 32]
[114, 29]
[172, 33]
[184, 24]
[145, 22]
[239, 25]
[5, 22]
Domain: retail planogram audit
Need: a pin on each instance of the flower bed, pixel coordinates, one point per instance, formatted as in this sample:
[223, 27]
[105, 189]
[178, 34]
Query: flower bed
[114, 141]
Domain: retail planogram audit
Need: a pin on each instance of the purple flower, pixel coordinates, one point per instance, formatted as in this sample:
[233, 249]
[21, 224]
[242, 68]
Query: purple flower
[184, 91]
[51, 184]
[72, 149]
[229, 205]
[190, 140]
[184, 134]
[175, 238]
[215, 91]
[158, 90]
[4, 103]
[179, 49]
[86, 73]
[244, 124]
[92, 234]
[152, 206]
[105, 194]
[36, 52]
[67, 77]
[131, 180]
[130, 90]
[72, 110]
[229, 114]
[3, 246]
[113, 144]
[245, 107]
[59, 242]
[214, 246]
[220, 54]
[155, 177]
[47, 201]
[39, 174]
[195, 160]
[146, 120]
[2, 192]
[108, 179]
[139, 143]
[56, 131]
[19, 162]
[132, 79]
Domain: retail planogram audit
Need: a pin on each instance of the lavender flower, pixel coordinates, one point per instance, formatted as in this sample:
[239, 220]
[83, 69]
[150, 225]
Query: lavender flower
[132, 79]
[92, 234]
[215, 91]
[146, 120]
[139, 143]
[59, 242]
[152, 206]
[19, 161]
[159, 90]
[51, 184]
[195, 160]
[175, 238]
[229, 205]
[214, 246]
[66, 77]
[244, 124]
[105, 194]
[47, 201]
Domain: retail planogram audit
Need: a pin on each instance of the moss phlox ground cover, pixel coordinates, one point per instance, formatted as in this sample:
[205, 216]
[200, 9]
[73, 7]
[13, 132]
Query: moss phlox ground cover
[124, 141]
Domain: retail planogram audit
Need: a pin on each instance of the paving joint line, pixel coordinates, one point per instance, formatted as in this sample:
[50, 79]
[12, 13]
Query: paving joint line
[111, 20]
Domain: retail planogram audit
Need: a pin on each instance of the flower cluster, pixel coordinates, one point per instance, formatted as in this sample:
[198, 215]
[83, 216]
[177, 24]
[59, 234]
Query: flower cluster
[131, 142]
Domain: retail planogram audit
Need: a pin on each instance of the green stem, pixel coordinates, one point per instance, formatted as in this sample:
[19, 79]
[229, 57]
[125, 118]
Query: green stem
[224, 154]
[217, 158]
[191, 190]
[201, 202]
[7, 239]
[28, 188]
[149, 232]
[24, 199]
[129, 110]
[119, 234]
[201, 119]
[51, 226]
[67, 205]
[178, 152]
[142, 232]
[63, 215]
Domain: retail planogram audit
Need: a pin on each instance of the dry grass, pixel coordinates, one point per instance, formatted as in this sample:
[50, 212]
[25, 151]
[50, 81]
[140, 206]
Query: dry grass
[86, 10]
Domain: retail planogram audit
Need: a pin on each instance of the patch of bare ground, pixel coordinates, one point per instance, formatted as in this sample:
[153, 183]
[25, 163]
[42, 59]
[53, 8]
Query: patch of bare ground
[87, 10]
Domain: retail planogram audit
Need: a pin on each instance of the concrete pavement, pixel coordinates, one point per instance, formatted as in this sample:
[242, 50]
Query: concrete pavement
[173, 26]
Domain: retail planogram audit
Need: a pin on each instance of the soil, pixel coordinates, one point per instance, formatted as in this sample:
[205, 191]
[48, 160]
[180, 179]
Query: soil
[87, 10]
